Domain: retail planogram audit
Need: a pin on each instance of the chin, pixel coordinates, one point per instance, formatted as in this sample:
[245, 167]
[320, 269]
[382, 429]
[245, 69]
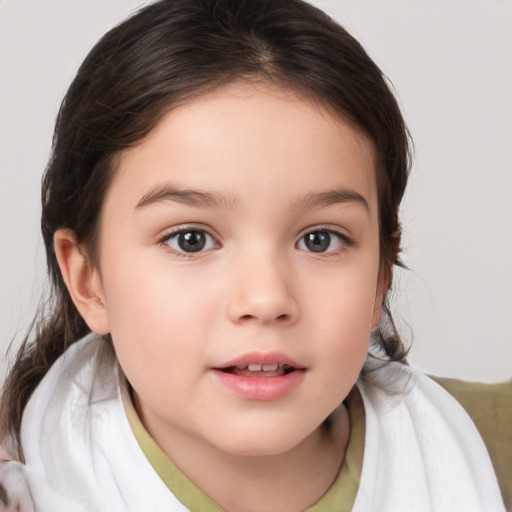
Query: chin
[270, 441]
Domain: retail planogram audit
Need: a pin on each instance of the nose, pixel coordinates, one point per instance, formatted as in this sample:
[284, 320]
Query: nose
[262, 290]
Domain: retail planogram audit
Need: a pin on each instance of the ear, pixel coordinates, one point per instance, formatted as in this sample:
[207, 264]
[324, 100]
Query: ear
[82, 281]
[382, 287]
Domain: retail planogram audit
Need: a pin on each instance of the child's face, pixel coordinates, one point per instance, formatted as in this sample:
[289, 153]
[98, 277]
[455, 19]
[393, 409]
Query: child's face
[242, 230]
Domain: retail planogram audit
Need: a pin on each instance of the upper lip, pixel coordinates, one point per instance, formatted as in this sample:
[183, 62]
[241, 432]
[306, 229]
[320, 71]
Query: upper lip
[261, 358]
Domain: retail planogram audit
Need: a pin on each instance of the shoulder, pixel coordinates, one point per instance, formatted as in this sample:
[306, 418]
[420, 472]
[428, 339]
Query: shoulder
[489, 405]
[490, 408]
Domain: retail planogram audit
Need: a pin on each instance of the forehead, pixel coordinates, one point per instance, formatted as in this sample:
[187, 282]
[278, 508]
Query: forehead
[249, 139]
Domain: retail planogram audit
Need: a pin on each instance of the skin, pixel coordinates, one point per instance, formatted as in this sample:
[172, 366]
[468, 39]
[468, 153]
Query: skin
[256, 286]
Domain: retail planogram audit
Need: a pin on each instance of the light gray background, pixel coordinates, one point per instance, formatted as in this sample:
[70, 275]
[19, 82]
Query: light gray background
[449, 60]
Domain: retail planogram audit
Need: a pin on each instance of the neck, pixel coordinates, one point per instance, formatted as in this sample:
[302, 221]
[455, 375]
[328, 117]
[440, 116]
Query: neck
[286, 482]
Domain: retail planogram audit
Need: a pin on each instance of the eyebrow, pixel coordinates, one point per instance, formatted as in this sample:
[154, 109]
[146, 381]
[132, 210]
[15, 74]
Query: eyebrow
[331, 197]
[206, 199]
[191, 197]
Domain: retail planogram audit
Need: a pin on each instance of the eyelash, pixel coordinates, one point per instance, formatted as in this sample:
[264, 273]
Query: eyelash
[344, 240]
[182, 231]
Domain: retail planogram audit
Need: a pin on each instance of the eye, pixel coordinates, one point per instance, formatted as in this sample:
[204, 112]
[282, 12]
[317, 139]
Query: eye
[322, 240]
[190, 241]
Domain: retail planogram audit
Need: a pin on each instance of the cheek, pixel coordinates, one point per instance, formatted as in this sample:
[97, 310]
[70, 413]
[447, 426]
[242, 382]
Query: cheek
[345, 298]
[150, 293]
[347, 339]
[158, 317]
[343, 310]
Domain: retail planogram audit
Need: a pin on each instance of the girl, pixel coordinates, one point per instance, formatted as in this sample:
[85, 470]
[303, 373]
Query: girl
[220, 215]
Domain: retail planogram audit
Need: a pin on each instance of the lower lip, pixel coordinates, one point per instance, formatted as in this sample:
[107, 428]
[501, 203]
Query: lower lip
[260, 388]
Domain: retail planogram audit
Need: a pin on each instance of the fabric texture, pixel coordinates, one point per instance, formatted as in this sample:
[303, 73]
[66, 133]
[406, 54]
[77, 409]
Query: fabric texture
[490, 408]
[422, 452]
[80, 452]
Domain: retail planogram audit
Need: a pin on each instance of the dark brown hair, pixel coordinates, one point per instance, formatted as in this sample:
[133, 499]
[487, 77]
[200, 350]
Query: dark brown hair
[168, 52]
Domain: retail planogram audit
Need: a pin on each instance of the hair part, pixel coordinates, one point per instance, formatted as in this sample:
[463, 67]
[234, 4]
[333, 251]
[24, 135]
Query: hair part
[170, 52]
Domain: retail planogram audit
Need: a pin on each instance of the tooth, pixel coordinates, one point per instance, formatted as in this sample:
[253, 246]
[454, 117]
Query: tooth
[254, 367]
[270, 367]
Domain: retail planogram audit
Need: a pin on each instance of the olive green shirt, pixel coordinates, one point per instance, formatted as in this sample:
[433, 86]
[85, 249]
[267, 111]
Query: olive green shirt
[489, 405]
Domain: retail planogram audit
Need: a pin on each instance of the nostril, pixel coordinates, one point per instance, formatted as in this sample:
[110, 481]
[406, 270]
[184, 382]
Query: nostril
[280, 318]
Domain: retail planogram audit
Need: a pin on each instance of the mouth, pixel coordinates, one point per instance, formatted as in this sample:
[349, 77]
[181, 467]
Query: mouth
[259, 370]
[263, 377]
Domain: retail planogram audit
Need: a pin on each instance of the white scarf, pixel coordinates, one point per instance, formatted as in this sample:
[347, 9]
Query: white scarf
[422, 451]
